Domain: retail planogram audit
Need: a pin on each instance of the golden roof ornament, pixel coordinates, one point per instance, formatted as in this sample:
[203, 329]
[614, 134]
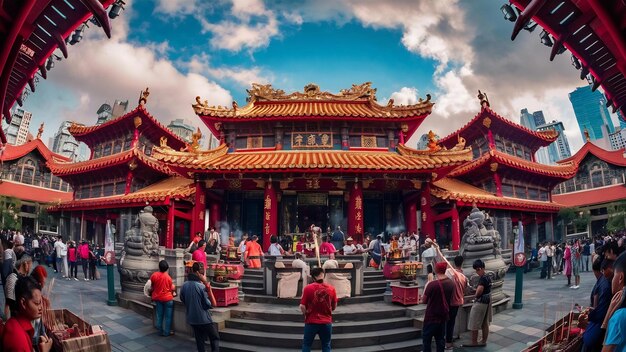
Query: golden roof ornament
[484, 100]
[40, 131]
[587, 138]
[143, 97]
[432, 142]
[195, 140]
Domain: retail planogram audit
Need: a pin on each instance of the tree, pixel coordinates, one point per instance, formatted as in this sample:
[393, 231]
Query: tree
[567, 216]
[10, 208]
[617, 216]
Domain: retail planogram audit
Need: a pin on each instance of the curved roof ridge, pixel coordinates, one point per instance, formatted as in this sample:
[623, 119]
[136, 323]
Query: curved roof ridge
[544, 136]
[12, 152]
[81, 130]
[615, 157]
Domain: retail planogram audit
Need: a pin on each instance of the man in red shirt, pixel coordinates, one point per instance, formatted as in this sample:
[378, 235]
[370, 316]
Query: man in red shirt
[163, 292]
[318, 302]
[437, 296]
[18, 331]
[199, 255]
[327, 247]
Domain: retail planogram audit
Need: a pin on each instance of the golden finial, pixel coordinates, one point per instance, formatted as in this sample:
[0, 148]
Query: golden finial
[235, 106]
[432, 142]
[484, 100]
[195, 138]
[390, 103]
[143, 97]
[587, 138]
[40, 131]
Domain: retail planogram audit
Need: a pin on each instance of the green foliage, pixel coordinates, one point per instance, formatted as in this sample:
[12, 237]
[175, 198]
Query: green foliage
[10, 208]
[575, 219]
[617, 216]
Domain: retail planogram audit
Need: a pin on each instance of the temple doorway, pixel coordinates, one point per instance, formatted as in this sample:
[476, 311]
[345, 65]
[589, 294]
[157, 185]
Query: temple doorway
[312, 209]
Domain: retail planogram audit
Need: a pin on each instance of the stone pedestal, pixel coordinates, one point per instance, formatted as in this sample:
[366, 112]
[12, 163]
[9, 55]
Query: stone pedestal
[175, 259]
[388, 294]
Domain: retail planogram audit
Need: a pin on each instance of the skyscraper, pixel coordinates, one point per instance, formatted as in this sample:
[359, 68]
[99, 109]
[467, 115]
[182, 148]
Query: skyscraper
[532, 121]
[182, 128]
[64, 143]
[107, 112]
[591, 114]
[17, 131]
[559, 149]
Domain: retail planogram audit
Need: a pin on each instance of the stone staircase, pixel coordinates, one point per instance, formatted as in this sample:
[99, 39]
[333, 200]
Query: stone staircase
[253, 282]
[374, 282]
[367, 327]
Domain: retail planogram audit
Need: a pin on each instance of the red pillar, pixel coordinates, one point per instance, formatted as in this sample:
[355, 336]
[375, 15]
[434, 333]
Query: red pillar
[428, 216]
[456, 229]
[129, 182]
[169, 233]
[498, 182]
[214, 215]
[410, 216]
[355, 213]
[270, 214]
[199, 208]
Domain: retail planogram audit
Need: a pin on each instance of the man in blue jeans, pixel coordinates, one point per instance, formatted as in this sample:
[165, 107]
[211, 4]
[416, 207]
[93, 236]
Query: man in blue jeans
[317, 304]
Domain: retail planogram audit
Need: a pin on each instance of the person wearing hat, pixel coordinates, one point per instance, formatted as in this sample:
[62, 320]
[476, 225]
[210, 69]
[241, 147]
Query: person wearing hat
[437, 296]
[349, 248]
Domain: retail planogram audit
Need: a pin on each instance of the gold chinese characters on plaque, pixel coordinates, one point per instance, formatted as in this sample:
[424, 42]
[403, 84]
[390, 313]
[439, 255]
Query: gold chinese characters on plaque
[311, 140]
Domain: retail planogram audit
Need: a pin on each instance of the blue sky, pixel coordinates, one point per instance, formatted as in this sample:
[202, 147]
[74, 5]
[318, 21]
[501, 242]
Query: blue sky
[406, 48]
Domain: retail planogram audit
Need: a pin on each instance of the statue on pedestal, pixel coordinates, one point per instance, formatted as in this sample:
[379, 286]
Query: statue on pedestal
[482, 241]
[140, 256]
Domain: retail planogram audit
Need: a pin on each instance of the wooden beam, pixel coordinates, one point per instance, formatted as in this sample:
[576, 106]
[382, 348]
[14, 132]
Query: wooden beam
[531, 10]
[98, 11]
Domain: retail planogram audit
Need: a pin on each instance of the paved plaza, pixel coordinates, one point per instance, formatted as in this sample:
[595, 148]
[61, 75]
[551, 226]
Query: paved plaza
[511, 330]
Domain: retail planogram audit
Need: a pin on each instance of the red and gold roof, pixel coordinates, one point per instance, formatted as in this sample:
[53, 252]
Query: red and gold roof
[33, 193]
[132, 158]
[13, 152]
[593, 196]
[466, 195]
[158, 193]
[488, 119]
[138, 118]
[613, 157]
[220, 161]
[357, 103]
[494, 158]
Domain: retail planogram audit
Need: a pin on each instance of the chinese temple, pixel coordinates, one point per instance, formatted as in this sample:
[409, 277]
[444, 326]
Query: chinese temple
[502, 178]
[26, 177]
[121, 177]
[290, 161]
[30, 31]
[599, 183]
[592, 30]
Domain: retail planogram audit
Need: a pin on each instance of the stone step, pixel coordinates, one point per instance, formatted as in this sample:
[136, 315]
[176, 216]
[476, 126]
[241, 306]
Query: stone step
[373, 273]
[402, 346]
[249, 283]
[367, 278]
[253, 290]
[289, 327]
[253, 272]
[375, 284]
[368, 311]
[348, 340]
[296, 301]
[374, 290]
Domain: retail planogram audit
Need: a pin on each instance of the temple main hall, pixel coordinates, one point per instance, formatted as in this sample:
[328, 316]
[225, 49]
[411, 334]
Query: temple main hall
[287, 161]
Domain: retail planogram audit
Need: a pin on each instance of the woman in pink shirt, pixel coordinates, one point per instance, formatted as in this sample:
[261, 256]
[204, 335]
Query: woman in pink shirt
[199, 255]
[71, 256]
[327, 247]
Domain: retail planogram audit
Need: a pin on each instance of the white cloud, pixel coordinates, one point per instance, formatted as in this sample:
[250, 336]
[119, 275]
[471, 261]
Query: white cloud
[406, 96]
[176, 7]
[101, 70]
[243, 76]
[251, 27]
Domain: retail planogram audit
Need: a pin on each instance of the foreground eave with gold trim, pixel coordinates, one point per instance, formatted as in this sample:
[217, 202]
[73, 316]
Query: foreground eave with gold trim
[220, 161]
[467, 195]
